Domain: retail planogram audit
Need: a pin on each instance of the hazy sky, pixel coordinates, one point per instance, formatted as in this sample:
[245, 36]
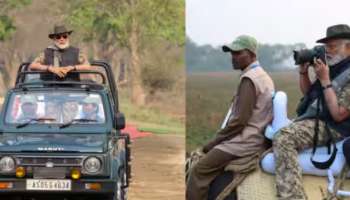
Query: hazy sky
[218, 22]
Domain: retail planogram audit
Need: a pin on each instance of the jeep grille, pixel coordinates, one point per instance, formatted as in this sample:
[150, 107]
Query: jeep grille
[44, 161]
[45, 172]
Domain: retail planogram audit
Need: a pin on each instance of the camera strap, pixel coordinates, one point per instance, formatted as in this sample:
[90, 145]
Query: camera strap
[326, 164]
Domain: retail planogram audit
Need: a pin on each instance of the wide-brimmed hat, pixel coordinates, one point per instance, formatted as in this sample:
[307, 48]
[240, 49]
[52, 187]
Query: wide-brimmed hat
[339, 31]
[242, 42]
[57, 30]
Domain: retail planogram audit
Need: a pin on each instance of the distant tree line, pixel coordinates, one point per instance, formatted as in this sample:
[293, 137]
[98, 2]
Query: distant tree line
[205, 58]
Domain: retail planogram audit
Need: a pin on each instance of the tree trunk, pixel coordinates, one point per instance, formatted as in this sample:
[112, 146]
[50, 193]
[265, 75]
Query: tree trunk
[10, 65]
[137, 91]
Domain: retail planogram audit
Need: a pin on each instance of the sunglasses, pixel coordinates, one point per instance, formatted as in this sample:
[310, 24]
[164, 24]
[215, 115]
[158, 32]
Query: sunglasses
[64, 36]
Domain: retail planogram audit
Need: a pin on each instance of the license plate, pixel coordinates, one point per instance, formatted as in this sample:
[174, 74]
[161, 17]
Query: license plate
[49, 184]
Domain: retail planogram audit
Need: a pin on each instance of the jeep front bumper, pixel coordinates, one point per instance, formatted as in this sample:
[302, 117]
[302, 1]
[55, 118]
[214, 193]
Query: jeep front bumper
[101, 186]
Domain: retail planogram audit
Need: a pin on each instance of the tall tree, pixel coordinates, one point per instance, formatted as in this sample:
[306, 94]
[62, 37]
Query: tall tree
[7, 29]
[6, 24]
[131, 23]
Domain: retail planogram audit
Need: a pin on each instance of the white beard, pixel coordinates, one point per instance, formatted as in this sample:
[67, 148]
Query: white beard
[335, 59]
[62, 46]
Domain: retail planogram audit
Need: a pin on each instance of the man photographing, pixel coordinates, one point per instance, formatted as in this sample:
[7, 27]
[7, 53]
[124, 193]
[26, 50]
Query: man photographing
[323, 115]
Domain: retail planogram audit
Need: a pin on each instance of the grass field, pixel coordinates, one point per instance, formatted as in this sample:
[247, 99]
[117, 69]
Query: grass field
[209, 96]
[157, 118]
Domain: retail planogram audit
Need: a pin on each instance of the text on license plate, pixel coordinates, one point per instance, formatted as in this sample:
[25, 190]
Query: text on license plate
[48, 184]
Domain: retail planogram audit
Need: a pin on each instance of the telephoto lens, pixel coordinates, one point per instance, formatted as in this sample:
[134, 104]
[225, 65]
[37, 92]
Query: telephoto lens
[308, 55]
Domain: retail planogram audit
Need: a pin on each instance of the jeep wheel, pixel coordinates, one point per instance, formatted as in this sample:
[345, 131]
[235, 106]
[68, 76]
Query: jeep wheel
[120, 193]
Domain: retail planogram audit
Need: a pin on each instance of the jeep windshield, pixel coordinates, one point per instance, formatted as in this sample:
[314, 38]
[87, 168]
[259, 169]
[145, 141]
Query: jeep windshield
[47, 107]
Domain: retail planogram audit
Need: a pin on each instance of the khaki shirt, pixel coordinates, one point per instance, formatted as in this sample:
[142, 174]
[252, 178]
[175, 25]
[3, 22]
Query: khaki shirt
[239, 119]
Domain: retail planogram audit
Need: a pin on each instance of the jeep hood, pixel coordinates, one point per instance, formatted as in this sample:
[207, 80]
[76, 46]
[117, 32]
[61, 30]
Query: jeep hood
[27, 142]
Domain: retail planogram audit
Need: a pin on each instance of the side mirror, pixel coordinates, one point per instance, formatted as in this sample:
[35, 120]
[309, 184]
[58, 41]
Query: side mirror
[119, 120]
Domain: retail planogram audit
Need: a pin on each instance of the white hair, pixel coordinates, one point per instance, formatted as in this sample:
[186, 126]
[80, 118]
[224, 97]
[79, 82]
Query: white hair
[344, 41]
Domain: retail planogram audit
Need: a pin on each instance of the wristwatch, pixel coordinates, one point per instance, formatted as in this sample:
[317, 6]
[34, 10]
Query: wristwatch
[327, 86]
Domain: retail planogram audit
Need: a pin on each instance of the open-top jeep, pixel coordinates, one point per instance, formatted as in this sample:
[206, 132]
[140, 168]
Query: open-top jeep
[64, 137]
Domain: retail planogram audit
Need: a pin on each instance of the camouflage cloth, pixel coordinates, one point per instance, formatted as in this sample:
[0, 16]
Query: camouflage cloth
[344, 97]
[286, 144]
[293, 139]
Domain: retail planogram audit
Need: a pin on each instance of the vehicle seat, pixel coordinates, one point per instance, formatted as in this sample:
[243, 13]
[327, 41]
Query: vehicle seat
[281, 120]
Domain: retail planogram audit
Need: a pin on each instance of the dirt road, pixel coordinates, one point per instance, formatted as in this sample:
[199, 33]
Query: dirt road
[158, 168]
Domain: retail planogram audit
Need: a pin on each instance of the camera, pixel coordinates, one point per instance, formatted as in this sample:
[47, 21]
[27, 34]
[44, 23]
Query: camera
[308, 55]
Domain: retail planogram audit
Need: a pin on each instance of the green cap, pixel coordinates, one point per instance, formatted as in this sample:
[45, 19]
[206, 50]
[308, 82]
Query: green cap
[242, 42]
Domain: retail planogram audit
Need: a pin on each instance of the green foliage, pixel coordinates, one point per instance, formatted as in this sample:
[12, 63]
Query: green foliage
[7, 5]
[162, 66]
[206, 58]
[158, 18]
[157, 77]
[94, 19]
[6, 27]
[164, 19]
[150, 118]
[133, 24]
[83, 17]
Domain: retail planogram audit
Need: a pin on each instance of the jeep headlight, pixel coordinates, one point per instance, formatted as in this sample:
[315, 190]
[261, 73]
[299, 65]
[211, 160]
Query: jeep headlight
[92, 165]
[7, 164]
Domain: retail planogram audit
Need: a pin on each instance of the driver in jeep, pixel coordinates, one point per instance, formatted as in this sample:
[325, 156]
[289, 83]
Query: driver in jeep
[90, 109]
[29, 108]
